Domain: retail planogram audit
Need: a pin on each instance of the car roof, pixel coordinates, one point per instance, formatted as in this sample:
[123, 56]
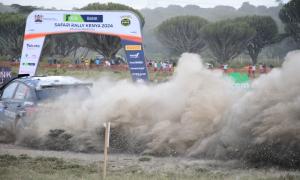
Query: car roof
[38, 82]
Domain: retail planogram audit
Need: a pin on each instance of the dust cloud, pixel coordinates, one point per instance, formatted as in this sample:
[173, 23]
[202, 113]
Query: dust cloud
[196, 113]
[263, 126]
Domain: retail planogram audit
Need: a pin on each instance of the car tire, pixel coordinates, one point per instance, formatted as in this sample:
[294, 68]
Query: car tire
[15, 128]
[6, 136]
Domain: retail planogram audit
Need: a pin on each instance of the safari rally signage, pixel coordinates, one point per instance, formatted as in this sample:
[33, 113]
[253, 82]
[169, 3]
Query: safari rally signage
[124, 24]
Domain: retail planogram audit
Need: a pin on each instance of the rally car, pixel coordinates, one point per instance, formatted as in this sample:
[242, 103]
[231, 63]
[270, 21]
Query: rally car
[21, 97]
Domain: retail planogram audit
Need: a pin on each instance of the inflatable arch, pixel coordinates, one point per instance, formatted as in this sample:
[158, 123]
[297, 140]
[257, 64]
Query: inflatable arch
[124, 24]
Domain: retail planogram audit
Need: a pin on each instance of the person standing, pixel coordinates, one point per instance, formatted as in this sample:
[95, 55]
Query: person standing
[264, 68]
[170, 67]
[261, 69]
[253, 70]
[87, 63]
[155, 66]
[50, 60]
[225, 68]
[249, 70]
[159, 66]
[97, 61]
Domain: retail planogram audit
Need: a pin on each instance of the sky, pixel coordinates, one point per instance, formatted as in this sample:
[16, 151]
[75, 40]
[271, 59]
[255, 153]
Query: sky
[138, 4]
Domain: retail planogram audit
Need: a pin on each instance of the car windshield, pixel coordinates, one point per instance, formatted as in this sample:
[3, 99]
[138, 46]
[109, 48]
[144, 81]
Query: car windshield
[51, 93]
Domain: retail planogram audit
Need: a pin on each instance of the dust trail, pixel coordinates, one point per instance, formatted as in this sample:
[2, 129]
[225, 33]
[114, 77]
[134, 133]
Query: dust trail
[263, 126]
[196, 113]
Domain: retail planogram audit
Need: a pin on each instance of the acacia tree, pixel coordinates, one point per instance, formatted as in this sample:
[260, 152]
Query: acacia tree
[266, 33]
[227, 39]
[108, 46]
[12, 28]
[114, 6]
[290, 16]
[182, 34]
[24, 9]
[62, 44]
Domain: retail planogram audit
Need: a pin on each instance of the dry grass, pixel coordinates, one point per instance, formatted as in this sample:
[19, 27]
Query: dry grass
[24, 167]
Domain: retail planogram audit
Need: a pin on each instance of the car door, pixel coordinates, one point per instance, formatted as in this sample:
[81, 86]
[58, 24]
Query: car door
[20, 100]
[7, 95]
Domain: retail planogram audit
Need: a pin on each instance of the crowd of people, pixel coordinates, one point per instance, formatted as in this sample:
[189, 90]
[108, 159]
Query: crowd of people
[168, 66]
[252, 69]
[88, 62]
[161, 66]
[262, 69]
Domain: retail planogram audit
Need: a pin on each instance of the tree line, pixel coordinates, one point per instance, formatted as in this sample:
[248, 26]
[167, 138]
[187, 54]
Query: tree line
[225, 39]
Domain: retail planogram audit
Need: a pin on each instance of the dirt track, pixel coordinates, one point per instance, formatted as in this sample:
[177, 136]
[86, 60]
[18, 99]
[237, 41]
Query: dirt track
[125, 162]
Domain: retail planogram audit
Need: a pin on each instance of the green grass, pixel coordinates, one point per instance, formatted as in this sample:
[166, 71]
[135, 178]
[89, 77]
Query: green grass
[24, 167]
[98, 73]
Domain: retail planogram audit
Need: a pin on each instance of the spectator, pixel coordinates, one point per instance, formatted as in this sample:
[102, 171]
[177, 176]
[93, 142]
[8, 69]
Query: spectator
[54, 61]
[253, 70]
[155, 66]
[97, 61]
[264, 68]
[92, 61]
[77, 60]
[261, 69]
[159, 65]
[87, 63]
[225, 68]
[174, 64]
[170, 67]
[209, 66]
[164, 66]
[249, 70]
[50, 60]
[107, 63]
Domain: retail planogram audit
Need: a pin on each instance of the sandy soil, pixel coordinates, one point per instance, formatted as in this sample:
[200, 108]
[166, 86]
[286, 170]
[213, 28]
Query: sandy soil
[125, 162]
[117, 161]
